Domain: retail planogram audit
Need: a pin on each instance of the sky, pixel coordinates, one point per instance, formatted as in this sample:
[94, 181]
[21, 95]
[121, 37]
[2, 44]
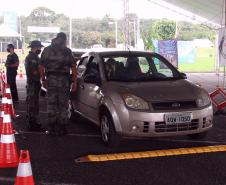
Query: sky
[91, 8]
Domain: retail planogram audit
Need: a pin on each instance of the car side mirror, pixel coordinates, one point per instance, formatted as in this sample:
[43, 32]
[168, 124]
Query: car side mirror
[92, 79]
[183, 75]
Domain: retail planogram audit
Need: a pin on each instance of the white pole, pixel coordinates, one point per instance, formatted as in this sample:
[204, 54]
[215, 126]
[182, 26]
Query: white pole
[20, 29]
[135, 37]
[116, 34]
[70, 33]
[138, 29]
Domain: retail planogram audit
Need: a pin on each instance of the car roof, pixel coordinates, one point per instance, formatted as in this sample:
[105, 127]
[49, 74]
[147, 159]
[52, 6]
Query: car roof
[118, 52]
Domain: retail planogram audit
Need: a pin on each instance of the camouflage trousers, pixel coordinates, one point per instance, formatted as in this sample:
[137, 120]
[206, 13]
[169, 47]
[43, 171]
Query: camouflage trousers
[32, 100]
[58, 94]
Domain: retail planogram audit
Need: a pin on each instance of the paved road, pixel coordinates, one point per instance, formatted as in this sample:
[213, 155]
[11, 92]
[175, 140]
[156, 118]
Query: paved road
[53, 158]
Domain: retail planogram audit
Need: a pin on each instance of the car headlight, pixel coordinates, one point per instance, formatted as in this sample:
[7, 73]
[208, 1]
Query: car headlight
[135, 102]
[203, 100]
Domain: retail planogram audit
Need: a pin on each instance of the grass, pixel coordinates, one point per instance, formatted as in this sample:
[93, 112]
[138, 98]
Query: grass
[205, 61]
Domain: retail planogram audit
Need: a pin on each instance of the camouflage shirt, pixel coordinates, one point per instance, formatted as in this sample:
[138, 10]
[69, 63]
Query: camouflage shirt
[31, 66]
[57, 59]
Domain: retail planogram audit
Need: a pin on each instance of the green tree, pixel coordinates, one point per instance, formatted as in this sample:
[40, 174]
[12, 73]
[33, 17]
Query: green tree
[163, 29]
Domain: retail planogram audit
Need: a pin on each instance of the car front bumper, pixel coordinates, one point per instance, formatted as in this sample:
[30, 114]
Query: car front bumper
[144, 124]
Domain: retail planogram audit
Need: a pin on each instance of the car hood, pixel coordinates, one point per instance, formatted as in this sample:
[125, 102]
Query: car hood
[159, 91]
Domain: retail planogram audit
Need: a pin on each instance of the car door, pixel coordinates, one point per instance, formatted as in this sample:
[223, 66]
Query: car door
[90, 90]
[77, 98]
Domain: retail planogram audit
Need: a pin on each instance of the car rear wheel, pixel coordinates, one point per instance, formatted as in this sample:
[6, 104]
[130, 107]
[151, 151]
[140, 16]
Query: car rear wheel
[108, 133]
[198, 135]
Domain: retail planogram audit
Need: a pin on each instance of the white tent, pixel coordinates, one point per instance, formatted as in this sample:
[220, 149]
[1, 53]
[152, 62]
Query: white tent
[6, 31]
[208, 12]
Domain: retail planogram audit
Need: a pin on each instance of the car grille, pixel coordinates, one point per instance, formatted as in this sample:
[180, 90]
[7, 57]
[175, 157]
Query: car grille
[163, 127]
[174, 105]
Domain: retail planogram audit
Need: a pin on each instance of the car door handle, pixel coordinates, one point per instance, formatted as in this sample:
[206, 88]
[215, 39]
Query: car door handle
[82, 86]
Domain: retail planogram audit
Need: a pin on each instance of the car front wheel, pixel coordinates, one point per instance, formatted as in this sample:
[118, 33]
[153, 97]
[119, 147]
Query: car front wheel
[108, 133]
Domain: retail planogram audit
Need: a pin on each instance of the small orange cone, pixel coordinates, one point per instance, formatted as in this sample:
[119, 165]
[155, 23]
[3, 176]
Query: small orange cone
[21, 74]
[3, 75]
[24, 172]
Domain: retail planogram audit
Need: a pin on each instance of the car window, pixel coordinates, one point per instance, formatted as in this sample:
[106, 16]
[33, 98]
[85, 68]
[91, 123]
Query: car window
[148, 67]
[143, 64]
[82, 66]
[92, 67]
[162, 68]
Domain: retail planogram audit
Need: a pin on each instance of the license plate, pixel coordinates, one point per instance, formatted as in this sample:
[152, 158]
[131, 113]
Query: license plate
[184, 117]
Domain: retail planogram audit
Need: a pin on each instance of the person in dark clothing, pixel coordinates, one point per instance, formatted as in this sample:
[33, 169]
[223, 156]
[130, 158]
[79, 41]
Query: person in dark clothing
[33, 85]
[12, 63]
[56, 63]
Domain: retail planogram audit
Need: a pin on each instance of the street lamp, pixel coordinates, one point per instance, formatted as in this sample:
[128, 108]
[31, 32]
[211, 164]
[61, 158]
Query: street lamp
[116, 32]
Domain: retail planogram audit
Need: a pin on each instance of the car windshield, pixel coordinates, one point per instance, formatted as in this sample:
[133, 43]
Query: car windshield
[149, 67]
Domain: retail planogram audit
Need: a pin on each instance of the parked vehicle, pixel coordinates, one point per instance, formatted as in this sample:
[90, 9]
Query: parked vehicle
[139, 94]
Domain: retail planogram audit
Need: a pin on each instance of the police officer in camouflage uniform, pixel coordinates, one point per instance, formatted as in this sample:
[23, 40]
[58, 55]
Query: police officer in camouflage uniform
[56, 63]
[33, 85]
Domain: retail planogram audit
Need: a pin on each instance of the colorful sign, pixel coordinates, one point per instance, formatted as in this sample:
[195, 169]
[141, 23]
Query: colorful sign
[168, 49]
[186, 52]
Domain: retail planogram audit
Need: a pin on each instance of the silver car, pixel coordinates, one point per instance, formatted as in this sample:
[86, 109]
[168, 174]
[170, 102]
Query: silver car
[139, 94]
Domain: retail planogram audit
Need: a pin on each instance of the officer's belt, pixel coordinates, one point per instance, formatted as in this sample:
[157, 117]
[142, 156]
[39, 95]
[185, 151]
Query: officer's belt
[57, 73]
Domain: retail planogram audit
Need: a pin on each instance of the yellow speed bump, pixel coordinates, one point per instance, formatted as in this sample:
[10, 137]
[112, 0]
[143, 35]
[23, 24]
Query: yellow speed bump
[149, 154]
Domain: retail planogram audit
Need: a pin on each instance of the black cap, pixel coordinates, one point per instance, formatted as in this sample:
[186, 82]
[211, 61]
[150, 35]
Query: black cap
[35, 43]
[10, 46]
[62, 35]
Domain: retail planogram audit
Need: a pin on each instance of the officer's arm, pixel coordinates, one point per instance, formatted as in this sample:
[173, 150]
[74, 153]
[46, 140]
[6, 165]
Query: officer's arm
[41, 66]
[41, 72]
[74, 73]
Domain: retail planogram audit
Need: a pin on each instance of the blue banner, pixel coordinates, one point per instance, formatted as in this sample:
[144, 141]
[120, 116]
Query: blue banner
[168, 49]
[186, 52]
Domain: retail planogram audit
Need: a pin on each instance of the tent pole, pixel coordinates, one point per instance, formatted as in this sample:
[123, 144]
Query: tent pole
[224, 28]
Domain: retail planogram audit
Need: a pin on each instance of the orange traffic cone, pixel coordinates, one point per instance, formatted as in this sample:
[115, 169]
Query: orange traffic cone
[8, 151]
[2, 85]
[21, 74]
[3, 75]
[4, 102]
[7, 126]
[8, 95]
[24, 172]
[1, 117]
